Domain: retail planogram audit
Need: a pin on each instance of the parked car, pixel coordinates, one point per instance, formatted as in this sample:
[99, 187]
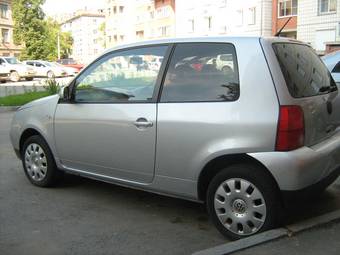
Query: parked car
[46, 69]
[69, 62]
[4, 74]
[236, 140]
[332, 62]
[16, 69]
[70, 71]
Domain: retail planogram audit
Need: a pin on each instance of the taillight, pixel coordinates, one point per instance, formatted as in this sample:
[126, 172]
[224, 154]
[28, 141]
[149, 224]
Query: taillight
[291, 128]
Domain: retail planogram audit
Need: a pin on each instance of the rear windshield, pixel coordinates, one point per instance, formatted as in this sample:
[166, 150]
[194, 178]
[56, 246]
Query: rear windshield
[305, 73]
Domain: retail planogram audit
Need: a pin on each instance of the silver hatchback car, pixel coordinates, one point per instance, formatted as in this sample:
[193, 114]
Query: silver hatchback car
[232, 122]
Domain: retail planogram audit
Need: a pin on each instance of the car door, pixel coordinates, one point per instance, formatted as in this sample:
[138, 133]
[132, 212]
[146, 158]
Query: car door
[40, 69]
[109, 127]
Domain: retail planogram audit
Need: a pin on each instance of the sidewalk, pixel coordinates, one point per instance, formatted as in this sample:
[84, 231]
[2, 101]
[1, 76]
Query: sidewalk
[318, 241]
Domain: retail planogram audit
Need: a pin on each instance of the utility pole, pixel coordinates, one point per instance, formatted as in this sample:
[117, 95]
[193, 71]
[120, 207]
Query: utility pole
[58, 46]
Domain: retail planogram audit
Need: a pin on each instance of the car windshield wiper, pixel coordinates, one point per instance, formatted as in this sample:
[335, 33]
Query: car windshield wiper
[327, 89]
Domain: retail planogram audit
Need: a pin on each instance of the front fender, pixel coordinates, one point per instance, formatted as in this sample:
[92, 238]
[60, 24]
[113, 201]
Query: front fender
[38, 116]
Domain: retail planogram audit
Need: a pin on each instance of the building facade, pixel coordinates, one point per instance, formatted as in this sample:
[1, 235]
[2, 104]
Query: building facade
[7, 46]
[224, 17]
[135, 20]
[285, 17]
[88, 39]
[318, 22]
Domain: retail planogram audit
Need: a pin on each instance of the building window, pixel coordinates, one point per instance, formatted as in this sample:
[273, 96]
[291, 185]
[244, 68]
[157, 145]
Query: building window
[191, 25]
[114, 9]
[163, 31]
[4, 11]
[209, 23]
[252, 16]
[140, 34]
[239, 17]
[5, 35]
[121, 9]
[327, 6]
[287, 8]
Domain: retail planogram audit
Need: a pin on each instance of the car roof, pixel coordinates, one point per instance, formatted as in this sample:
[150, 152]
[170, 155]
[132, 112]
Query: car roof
[211, 39]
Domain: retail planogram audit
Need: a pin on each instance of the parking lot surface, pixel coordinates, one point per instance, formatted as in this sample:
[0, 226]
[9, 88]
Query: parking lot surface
[82, 216]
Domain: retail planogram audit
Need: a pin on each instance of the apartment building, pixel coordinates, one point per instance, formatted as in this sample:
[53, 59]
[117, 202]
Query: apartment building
[120, 18]
[7, 46]
[134, 20]
[318, 22]
[285, 16]
[88, 40]
[224, 17]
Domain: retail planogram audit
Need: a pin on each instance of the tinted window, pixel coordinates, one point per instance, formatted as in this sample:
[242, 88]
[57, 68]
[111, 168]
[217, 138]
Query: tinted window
[120, 77]
[336, 69]
[305, 74]
[202, 72]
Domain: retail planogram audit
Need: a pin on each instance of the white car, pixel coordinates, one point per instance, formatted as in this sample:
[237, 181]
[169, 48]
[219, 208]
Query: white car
[46, 69]
[332, 62]
[16, 69]
[70, 71]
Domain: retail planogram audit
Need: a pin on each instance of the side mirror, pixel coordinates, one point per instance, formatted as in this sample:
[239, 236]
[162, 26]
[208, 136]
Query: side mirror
[64, 93]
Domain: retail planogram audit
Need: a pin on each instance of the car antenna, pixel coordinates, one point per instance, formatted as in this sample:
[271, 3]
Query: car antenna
[279, 32]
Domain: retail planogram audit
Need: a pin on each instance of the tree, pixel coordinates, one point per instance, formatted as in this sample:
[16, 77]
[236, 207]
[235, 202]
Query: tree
[66, 41]
[102, 29]
[38, 35]
[29, 27]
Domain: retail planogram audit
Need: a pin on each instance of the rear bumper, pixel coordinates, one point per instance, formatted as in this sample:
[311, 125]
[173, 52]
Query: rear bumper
[304, 167]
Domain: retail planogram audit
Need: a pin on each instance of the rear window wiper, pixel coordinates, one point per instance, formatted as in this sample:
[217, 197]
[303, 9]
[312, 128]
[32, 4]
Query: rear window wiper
[327, 89]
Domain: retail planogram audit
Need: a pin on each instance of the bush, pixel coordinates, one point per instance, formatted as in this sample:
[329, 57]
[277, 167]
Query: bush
[52, 86]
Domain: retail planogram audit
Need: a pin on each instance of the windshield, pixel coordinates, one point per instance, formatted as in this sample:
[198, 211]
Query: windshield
[12, 61]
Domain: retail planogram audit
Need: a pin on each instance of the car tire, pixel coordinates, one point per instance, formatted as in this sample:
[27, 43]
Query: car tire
[50, 75]
[38, 162]
[14, 76]
[243, 200]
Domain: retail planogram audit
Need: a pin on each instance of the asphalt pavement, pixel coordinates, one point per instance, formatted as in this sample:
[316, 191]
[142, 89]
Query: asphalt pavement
[83, 216]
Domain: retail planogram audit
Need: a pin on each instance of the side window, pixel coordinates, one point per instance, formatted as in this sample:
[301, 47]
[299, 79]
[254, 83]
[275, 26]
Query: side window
[125, 76]
[39, 64]
[2, 61]
[202, 72]
[336, 69]
[30, 63]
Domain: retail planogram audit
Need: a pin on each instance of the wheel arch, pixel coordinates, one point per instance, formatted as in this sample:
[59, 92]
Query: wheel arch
[26, 134]
[217, 164]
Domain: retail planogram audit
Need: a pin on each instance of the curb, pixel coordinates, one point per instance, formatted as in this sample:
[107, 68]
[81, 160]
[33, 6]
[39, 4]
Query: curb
[271, 235]
[244, 243]
[8, 108]
[314, 222]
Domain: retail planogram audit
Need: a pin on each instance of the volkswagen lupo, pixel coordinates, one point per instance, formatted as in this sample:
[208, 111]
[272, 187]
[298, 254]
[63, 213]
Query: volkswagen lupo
[234, 134]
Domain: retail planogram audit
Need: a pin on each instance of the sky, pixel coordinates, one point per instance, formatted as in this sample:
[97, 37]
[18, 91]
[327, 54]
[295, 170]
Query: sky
[53, 7]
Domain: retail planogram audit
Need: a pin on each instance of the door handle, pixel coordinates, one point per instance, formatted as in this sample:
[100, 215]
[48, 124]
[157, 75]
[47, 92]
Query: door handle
[143, 123]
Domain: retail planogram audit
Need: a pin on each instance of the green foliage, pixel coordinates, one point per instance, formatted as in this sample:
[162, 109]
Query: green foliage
[102, 29]
[38, 35]
[66, 41]
[16, 100]
[52, 86]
